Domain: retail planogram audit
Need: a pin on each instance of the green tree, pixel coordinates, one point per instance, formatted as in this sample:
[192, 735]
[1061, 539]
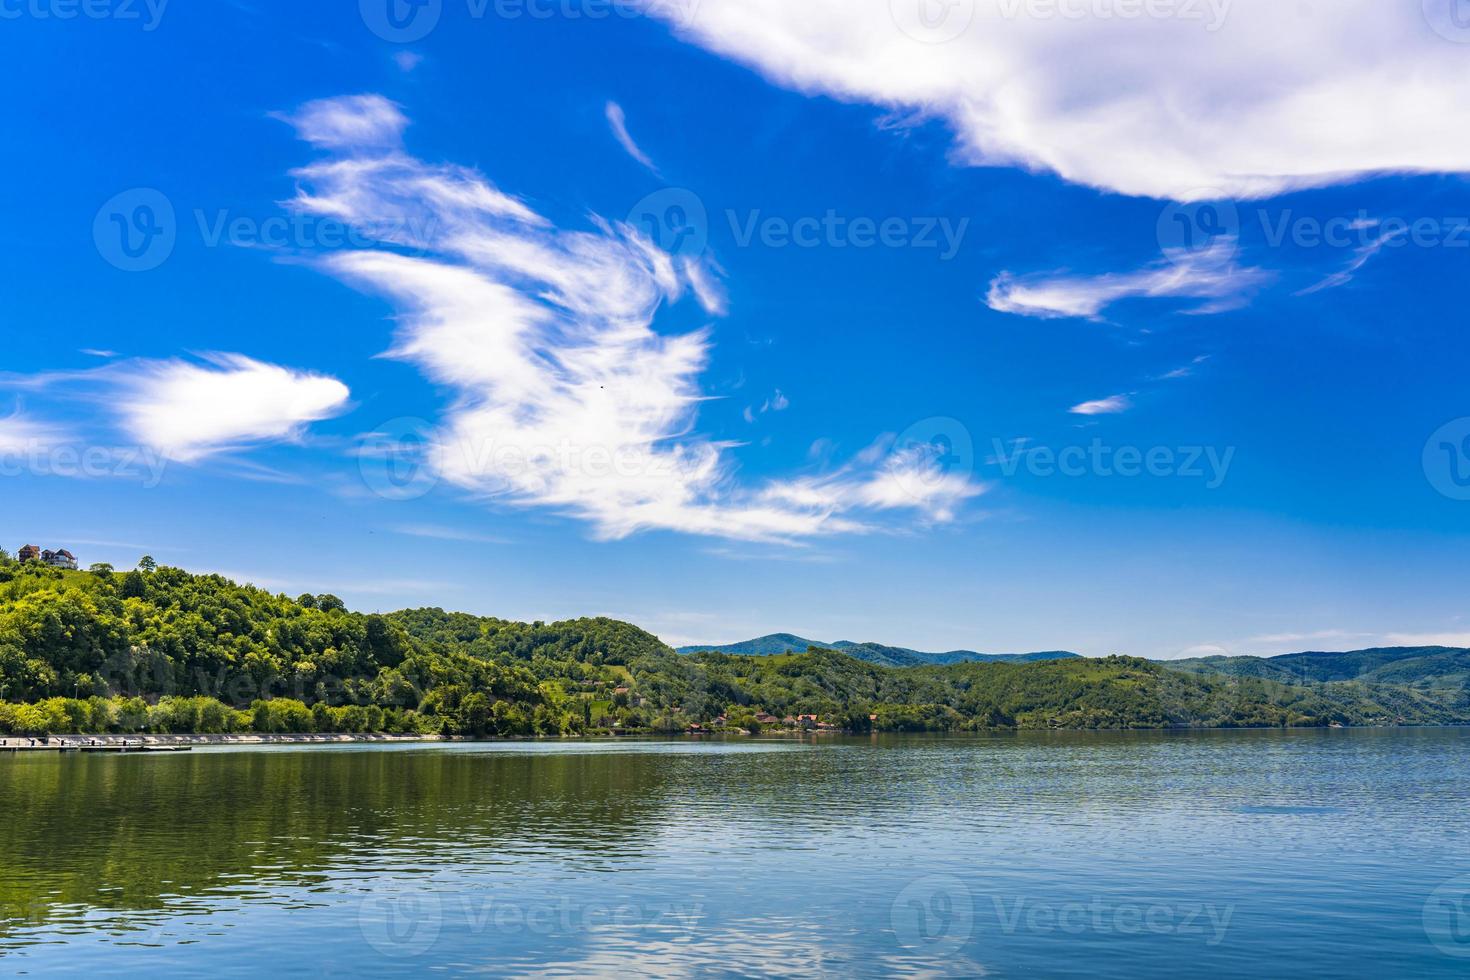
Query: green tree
[134, 586]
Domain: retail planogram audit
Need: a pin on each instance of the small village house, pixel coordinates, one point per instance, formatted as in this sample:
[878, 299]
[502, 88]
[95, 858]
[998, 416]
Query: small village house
[59, 559]
[56, 559]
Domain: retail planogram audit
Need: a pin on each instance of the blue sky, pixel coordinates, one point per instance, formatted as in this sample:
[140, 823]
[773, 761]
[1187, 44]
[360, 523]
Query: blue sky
[390, 319]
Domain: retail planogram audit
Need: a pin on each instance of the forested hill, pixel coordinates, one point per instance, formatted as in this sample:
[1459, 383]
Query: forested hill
[1436, 667]
[164, 650]
[875, 653]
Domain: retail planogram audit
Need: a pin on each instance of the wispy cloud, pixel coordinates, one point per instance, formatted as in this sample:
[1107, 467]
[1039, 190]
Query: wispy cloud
[354, 121]
[1279, 639]
[1362, 255]
[439, 532]
[1209, 274]
[776, 403]
[1186, 371]
[565, 397]
[1227, 98]
[1428, 639]
[191, 410]
[618, 122]
[20, 434]
[1112, 405]
[188, 410]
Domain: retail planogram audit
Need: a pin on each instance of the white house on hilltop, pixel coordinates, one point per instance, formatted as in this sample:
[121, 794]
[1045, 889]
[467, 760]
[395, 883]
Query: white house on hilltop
[56, 559]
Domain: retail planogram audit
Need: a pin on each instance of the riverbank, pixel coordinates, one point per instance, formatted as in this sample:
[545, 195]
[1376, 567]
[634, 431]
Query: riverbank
[18, 743]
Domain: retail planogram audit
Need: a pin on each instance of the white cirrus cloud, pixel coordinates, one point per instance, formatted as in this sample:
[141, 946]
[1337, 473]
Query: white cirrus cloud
[563, 394]
[1180, 100]
[20, 434]
[1458, 640]
[353, 120]
[1112, 405]
[1362, 255]
[190, 410]
[183, 410]
[1209, 274]
[617, 121]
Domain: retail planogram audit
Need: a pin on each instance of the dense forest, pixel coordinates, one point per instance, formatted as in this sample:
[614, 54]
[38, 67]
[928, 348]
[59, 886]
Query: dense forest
[157, 649]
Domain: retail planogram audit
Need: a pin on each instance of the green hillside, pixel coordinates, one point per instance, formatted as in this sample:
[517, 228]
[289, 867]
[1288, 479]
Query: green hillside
[164, 650]
[1424, 667]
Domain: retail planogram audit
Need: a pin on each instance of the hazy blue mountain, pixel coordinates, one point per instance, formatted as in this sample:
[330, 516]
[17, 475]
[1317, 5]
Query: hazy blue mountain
[1413, 666]
[874, 653]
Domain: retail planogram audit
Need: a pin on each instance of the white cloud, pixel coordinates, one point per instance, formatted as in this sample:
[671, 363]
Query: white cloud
[776, 403]
[1220, 98]
[20, 435]
[407, 61]
[1362, 255]
[1209, 274]
[1428, 639]
[1186, 371]
[1112, 405]
[439, 532]
[565, 396]
[357, 120]
[191, 410]
[618, 122]
[1277, 639]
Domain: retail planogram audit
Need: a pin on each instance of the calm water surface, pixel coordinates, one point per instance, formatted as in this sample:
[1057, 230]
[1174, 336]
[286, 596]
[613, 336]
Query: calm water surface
[1246, 854]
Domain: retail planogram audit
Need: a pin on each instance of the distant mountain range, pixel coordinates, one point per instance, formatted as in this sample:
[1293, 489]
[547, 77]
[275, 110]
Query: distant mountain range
[1441, 667]
[874, 653]
[1422, 667]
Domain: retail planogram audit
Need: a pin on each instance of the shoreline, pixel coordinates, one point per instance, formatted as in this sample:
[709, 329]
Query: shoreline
[61, 743]
[154, 742]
